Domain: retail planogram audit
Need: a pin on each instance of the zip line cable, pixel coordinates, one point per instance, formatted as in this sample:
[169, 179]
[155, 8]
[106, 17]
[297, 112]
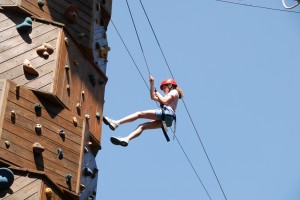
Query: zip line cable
[138, 38]
[203, 147]
[149, 89]
[255, 6]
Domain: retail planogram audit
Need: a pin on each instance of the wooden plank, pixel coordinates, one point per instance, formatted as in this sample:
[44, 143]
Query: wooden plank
[16, 39]
[13, 155]
[48, 154]
[25, 116]
[30, 55]
[33, 196]
[7, 2]
[26, 191]
[17, 73]
[36, 42]
[57, 121]
[3, 101]
[69, 153]
[49, 110]
[6, 24]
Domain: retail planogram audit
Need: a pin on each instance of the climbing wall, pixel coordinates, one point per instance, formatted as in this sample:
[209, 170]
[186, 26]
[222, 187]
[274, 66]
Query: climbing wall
[70, 78]
[53, 59]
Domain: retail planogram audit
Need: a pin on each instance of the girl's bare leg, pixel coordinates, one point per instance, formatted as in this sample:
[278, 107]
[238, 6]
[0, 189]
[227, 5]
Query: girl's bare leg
[148, 125]
[147, 114]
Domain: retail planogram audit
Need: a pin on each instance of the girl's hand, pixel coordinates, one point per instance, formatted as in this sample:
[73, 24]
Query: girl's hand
[151, 79]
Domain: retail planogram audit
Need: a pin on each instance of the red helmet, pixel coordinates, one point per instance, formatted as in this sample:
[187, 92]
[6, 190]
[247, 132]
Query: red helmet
[168, 81]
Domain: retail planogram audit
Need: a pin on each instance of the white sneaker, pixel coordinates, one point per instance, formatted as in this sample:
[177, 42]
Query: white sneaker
[113, 125]
[119, 141]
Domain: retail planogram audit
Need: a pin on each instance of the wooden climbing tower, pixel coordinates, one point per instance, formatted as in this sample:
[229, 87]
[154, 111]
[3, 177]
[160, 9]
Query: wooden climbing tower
[53, 58]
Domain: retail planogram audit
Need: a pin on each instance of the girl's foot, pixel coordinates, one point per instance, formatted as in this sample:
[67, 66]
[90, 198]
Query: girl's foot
[119, 141]
[113, 125]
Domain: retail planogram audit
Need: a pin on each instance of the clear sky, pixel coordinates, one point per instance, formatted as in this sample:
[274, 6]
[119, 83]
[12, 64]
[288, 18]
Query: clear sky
[239, 69]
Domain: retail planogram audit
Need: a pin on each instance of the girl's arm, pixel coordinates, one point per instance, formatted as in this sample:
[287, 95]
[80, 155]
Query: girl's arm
[152, 90]
[164, 100]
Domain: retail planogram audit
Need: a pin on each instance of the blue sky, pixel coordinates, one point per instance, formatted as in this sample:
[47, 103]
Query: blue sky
[239, 69]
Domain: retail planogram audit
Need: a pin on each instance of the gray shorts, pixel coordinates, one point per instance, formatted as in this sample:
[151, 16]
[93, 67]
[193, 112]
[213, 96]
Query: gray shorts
[169, 116]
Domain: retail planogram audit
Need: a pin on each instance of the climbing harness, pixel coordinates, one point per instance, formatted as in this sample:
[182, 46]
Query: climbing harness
[290, 7]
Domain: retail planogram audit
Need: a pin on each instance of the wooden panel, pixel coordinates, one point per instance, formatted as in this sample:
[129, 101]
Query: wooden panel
[56, 194]
[8, 2]
[21, 134]
[24, 188]
[54, 10]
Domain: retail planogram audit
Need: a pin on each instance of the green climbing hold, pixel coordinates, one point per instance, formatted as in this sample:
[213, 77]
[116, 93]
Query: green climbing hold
[37, 106]
[26, 26]
[98, 115]
[40, 3]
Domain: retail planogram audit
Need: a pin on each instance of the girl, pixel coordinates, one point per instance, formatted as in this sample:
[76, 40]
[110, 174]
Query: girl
[169, 102]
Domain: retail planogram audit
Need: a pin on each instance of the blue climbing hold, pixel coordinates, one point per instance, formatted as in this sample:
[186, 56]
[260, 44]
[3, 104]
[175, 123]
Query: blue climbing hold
[25, 26]
[6, 178]
[68, 178]
[88, 171]
[60, 153]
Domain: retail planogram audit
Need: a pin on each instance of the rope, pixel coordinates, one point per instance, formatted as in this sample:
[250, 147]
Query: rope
[191, 164]
[203, 147]
[138, 38]
[255, 6]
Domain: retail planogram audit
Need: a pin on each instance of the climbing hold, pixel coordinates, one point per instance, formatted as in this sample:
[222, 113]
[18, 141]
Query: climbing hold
[37, 106]
[48, 192]
[40, 3]
[45, 50]
[92, 79]
[6, 178]
[68, 87]
[12, 115]
[68, 178]
[86, 150]
[37, 148]
[95, 171]
[38, 129]
[38, 126]
[17, 88]
[75, 122]
[101, 81]
[7, 144]
[81, 35]
[82, 187]
[61, 132]
[97, 21]
[60, 153]
[87, 171]
[97, 115]
[78, 106]
[67, 67]
[82, 93]
[98, 6]
[91, 197]
[75, 62]
[67, 41]
[97, 45]
[71, 13]
[25, 26]
[104, 35]
[87, 117]
[90, 143]
[28, 68]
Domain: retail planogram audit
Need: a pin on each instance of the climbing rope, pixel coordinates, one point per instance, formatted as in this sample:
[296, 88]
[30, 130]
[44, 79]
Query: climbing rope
[137, 34]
